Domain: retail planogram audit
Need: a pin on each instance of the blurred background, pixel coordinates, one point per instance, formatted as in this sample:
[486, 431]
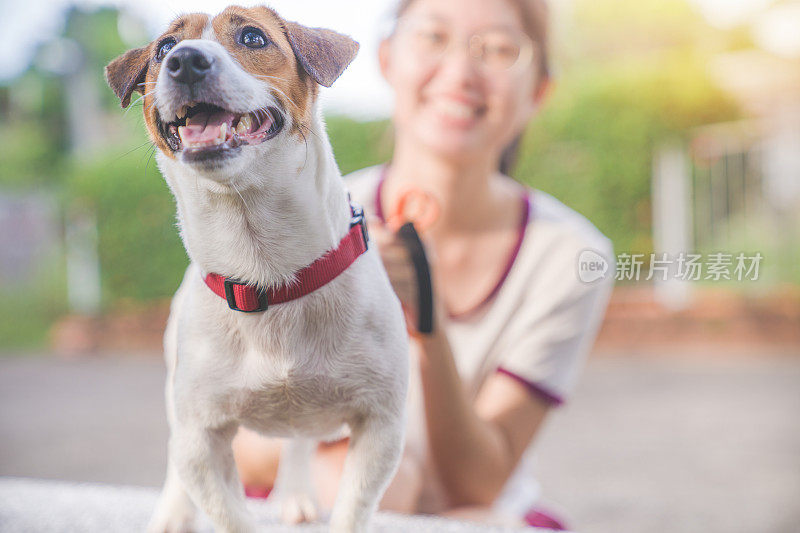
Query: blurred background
[673, 125]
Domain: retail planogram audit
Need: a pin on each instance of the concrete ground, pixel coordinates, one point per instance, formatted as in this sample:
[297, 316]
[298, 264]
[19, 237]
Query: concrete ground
[647, 444]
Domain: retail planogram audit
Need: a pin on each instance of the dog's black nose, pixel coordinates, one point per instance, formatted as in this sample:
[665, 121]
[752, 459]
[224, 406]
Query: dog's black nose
[188, 65]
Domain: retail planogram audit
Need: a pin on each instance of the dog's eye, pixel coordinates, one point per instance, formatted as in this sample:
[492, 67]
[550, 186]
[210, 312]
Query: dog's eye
[253, 38]
[164, 48]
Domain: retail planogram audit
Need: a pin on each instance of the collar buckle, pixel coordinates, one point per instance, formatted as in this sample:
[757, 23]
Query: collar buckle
[358, 219]
[230, 297]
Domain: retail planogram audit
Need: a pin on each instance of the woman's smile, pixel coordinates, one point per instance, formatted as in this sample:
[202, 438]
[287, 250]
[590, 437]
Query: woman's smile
[464, 77]
[455, 111]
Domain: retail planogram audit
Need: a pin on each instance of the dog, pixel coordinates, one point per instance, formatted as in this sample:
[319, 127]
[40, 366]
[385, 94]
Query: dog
[285, 321]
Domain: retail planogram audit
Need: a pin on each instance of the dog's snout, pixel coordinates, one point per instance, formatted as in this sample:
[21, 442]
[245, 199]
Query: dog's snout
[188, 65]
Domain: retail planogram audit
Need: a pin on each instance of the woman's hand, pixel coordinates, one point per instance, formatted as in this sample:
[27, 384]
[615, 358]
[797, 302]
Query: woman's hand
[398, 265]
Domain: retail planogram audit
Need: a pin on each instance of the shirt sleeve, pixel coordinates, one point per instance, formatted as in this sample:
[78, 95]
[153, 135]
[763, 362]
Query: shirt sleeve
[557, 322]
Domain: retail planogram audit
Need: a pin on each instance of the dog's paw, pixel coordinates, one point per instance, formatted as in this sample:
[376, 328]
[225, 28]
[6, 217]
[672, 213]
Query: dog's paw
[177, 525]
[175, 522]
[298, 509]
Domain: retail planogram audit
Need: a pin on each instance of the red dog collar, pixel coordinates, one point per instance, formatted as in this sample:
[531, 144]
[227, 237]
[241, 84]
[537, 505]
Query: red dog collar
[250, 299]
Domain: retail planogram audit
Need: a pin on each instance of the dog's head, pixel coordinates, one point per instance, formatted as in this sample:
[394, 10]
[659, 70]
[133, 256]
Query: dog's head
[226, 89]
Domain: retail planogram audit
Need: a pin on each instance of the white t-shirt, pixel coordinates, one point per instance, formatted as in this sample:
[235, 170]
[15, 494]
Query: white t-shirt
[537, 326]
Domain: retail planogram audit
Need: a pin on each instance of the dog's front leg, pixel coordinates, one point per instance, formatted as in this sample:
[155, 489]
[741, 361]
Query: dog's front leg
[203, 459]
[175, 511]
[293, 488]
[372, 458]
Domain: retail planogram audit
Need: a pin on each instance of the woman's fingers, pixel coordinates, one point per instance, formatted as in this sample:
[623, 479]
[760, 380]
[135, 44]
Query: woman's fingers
[397, 262]
[404, 280]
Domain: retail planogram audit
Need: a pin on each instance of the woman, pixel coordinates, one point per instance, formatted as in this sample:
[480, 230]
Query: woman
[512, 320]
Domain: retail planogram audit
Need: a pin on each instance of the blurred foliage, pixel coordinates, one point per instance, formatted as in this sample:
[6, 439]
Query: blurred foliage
[32, 139]
[591, 146]
[634, 76]
[97, 33]
[141, 255]
[26, 313]
[359, 144]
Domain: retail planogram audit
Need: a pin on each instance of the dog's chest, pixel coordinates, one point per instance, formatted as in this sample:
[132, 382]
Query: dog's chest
[298, 369]
[291, 399]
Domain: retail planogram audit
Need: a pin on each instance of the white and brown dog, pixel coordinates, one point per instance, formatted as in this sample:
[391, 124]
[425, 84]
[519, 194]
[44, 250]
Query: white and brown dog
[285, 322]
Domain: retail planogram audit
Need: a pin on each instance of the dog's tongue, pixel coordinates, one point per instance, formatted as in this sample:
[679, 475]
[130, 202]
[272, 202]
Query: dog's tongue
[204, 126]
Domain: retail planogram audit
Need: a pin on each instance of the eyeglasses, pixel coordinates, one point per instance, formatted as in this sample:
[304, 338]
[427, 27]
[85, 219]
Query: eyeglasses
[495, 49]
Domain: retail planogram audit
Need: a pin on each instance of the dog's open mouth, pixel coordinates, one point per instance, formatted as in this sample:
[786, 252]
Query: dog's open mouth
[202, 130]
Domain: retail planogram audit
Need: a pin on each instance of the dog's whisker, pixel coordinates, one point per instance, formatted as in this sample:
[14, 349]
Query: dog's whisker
[132, 105]
[134, 149]
[139, 99]
[312, 132]
[300, 125]
[269, 77]
[145, 94]
[152, 153]
[286, 96]
[305, 142]
[290, 101]
[244, 202]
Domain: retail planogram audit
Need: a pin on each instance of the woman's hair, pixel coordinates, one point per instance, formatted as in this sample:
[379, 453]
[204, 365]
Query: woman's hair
[534, 18]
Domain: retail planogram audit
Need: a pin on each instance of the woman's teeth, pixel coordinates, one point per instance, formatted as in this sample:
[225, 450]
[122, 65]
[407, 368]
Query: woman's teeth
[456, 110]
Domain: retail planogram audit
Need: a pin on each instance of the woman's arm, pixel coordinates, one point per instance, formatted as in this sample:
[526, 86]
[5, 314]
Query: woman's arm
[475, 446]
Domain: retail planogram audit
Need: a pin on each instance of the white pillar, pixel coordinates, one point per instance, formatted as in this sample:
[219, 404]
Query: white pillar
[83, 265]
[672, 222]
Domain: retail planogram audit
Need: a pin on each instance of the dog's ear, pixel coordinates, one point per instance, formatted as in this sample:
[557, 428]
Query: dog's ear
[323, 53]
[127, 73]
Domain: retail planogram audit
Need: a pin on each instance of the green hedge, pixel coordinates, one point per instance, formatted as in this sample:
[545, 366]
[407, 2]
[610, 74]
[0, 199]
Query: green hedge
[592, 145]
[141, 255]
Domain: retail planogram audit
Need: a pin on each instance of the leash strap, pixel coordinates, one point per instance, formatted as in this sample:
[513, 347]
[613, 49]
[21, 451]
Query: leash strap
[408, 234]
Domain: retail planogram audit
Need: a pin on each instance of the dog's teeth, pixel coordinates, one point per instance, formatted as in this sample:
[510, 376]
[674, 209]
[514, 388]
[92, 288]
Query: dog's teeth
[223, 132]
[241, 129]
[182, 111]
[245, 123]
[181, 130]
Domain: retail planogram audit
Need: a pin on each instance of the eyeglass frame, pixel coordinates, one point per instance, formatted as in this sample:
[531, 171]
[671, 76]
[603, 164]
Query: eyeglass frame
[527, 51]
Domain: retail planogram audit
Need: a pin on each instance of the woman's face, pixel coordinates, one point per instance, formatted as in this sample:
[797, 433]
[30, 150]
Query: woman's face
[464, 75]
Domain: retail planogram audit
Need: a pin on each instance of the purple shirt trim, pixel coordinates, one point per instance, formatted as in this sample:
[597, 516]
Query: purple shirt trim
[545, 519]
[526, 208]
[378, 189]
[536, 389]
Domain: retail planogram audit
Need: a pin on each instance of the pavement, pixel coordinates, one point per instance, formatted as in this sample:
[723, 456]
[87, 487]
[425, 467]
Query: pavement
[676, 442]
